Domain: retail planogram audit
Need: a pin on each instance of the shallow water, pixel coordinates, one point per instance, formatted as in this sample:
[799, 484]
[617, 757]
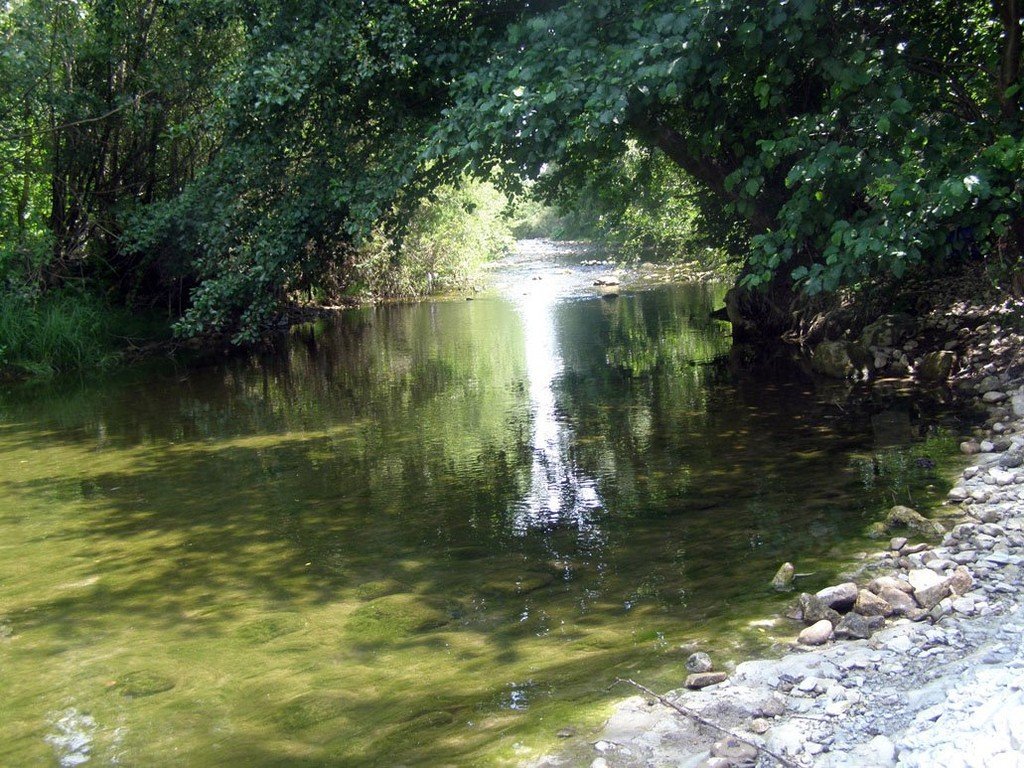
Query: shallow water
[427, 534]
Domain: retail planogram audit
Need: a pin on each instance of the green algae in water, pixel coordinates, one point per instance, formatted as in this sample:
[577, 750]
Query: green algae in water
[366, 550]
[270, 628]
[371, 590]
[396, 616]
[141, 683]
[311, 710]
[515, 582]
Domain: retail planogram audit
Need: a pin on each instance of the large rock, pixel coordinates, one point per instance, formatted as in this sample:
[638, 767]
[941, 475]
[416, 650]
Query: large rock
[699, 663]
[988, 384]
[812, 608]
[923, 578]
[853, 627]
[961, 581]
[929, 598]
[935, 367]
[901, 602]
[1017, 403]
[888, 331]
[870, 604]
[840, 597]
[891, 582]
[900, 518]
[841, 360]
[929, 587]
[783, 579]
[816, 634]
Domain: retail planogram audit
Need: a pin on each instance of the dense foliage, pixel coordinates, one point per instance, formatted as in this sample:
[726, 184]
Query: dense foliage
[217, 159]
[849, 138]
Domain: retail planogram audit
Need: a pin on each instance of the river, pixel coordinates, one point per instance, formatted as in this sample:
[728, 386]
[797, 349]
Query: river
[420, 534]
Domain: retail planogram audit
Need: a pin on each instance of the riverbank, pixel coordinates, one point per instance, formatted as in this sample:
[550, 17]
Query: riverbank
[938, 685]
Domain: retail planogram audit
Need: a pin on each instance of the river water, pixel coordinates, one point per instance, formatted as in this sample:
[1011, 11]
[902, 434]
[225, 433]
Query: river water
[423, 534]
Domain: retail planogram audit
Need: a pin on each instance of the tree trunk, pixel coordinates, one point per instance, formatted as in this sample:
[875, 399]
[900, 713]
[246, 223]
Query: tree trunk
[769, 312]
[1010, 13]
[706, 170]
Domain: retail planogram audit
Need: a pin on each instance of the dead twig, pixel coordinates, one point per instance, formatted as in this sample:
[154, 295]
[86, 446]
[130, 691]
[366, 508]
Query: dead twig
[686, 712]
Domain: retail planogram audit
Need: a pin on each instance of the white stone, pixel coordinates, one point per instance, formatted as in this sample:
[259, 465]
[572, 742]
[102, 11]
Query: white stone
[1002, 476]
[837, 708]
[1017, 402]
[924, 578]
[957, 493]
[964, 605]
[883, 750]
[816, 634]
[900, 644]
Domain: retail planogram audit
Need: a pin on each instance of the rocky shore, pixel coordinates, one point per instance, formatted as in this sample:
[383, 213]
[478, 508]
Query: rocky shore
[917, 661]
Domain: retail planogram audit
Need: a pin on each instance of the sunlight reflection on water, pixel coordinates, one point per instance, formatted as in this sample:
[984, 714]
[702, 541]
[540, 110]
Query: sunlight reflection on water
[560, 493]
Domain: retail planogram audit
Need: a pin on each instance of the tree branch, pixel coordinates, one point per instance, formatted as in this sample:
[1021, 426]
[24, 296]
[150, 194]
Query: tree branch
[687, 712]
[83, 121]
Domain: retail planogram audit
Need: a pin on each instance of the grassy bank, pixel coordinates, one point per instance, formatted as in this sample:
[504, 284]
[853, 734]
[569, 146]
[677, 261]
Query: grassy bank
[66, 331]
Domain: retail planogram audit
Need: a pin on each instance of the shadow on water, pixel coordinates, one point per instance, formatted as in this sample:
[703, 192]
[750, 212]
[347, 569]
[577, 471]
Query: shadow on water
[414, 535]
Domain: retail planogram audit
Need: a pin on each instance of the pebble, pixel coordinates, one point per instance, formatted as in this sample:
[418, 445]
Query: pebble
[900, 644]
[704, 679]
[816, 634]
[735, 750]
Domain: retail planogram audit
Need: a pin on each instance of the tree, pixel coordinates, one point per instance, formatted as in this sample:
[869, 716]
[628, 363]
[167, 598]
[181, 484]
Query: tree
[850, 139]
[221, 156]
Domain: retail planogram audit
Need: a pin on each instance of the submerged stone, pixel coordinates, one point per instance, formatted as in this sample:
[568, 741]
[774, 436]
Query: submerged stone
[840, 359]
[371, 590]
[516, 582]
[900, 518]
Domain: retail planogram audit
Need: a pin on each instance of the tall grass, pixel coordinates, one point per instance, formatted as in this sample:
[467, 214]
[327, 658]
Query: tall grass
[56, 332]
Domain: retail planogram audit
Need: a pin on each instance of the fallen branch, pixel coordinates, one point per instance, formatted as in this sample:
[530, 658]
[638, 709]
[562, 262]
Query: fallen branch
[686, 712]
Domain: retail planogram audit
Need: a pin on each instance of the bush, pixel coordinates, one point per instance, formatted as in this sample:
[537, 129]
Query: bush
[451, 236]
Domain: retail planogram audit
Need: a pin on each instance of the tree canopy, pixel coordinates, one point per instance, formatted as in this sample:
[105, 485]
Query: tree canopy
[220, 156]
